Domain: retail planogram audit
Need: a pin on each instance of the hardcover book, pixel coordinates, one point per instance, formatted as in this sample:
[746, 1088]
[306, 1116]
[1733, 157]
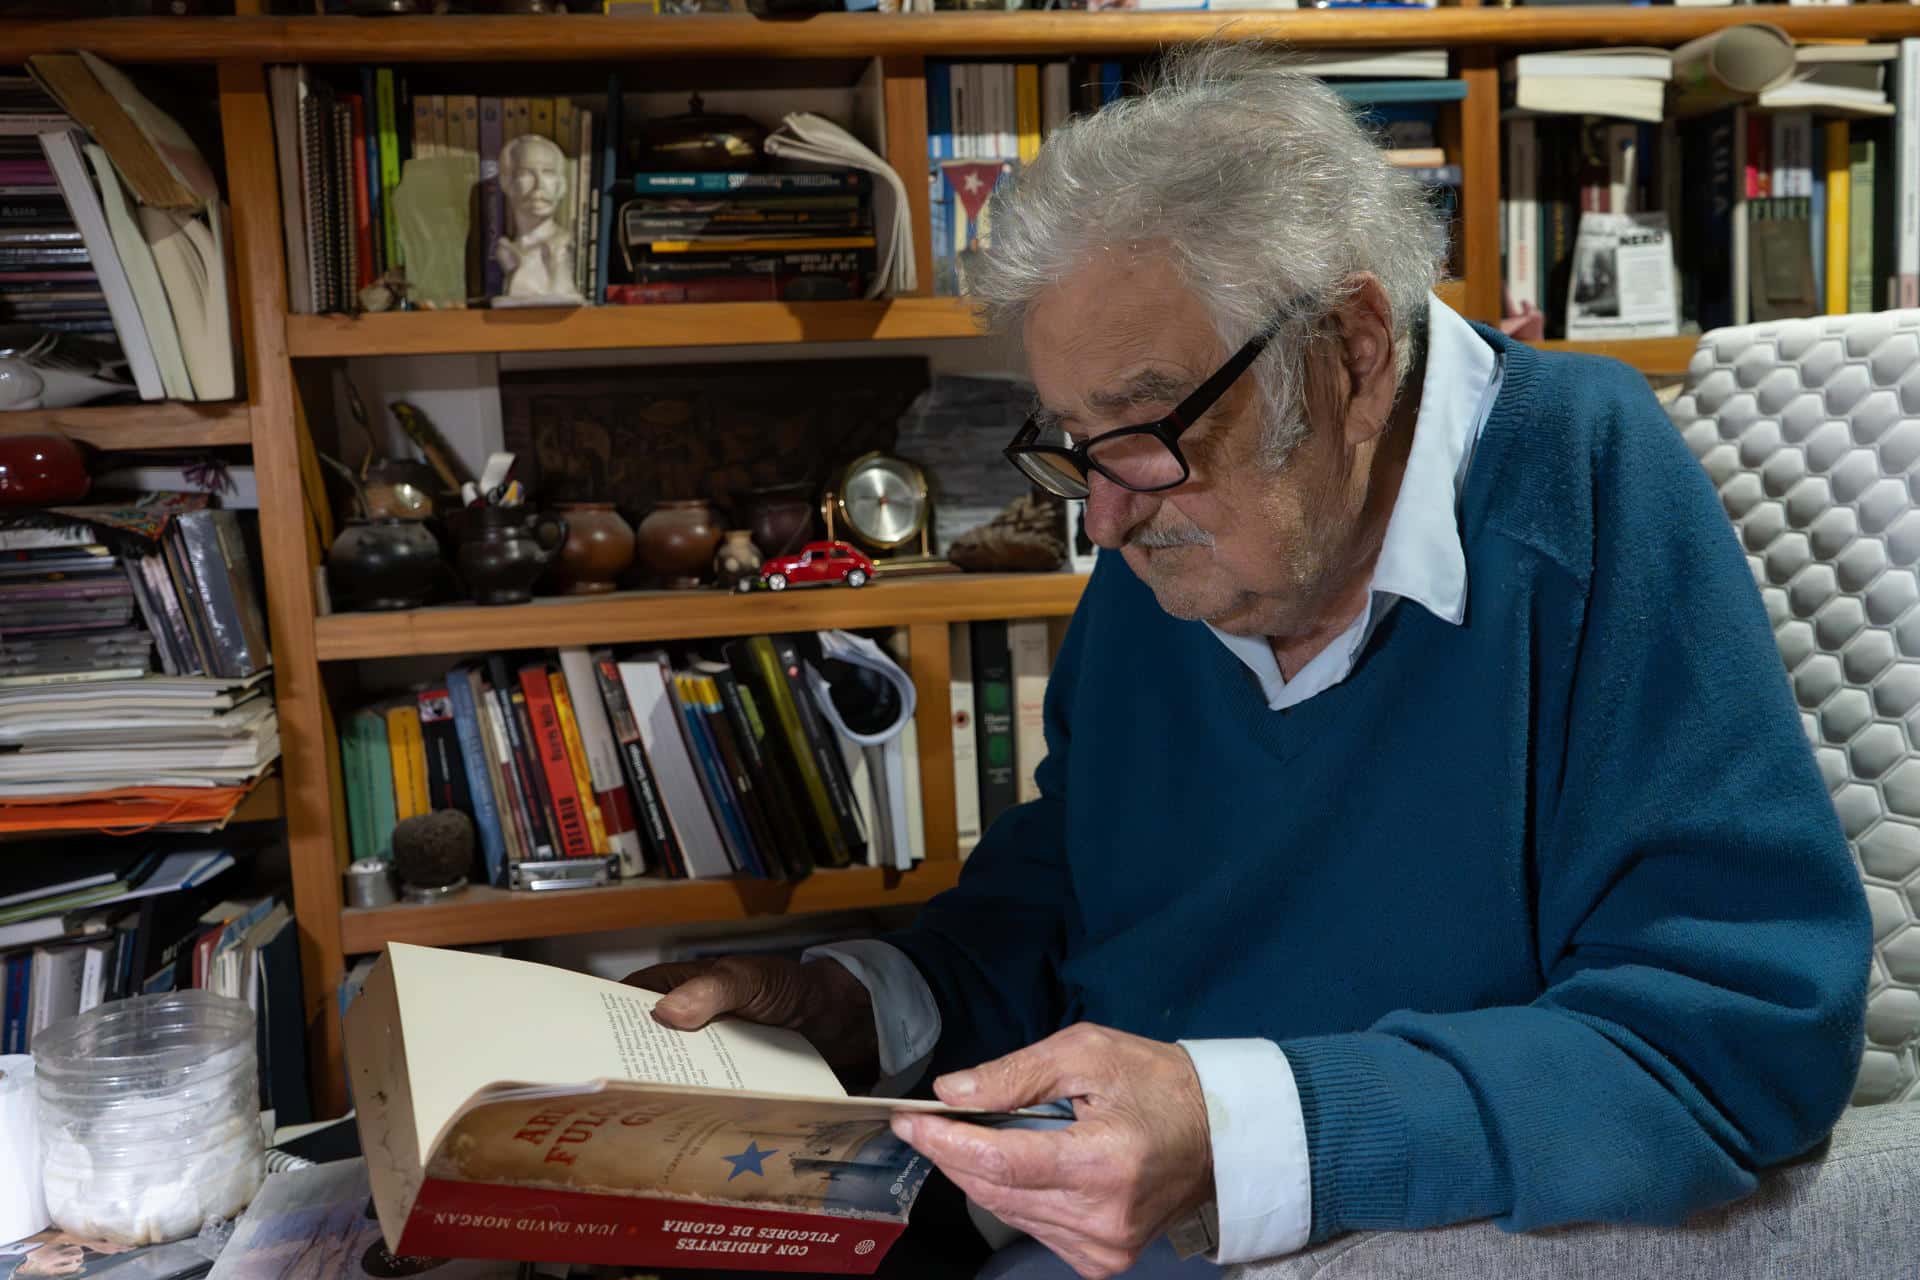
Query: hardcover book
[608, 1138]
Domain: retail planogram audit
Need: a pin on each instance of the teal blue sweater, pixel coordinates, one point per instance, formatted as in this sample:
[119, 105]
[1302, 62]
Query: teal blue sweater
[1549, 912]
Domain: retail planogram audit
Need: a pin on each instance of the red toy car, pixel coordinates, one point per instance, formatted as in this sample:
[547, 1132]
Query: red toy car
[817, 562]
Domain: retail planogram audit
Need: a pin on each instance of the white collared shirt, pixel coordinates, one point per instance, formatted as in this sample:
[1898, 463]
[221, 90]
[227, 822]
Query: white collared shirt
[1263, 1201]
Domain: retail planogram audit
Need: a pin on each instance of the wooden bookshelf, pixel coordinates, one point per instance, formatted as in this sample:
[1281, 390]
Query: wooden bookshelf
[559, 50]
[863, 35]
[411, 333]
[166, 424]
[689, 615]
[265, 803]
[482, 914]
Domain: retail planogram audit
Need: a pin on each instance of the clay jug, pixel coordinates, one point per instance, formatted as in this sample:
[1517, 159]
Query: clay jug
[598, 549]
[677, 541]
[504, 550]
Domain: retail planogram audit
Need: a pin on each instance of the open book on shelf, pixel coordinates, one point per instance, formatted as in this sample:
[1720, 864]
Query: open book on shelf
[512, 1110]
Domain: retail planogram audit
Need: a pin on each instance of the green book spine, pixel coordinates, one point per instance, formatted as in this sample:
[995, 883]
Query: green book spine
[353, 769]
[381, 813]
[389, 161]
[1860, 161]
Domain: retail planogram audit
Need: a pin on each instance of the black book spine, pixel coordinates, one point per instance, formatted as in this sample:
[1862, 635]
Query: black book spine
[826, 750]
[993, 719]
[513, 709]
[787, 833]
[446, 767]
[662, 852]
[780, 753]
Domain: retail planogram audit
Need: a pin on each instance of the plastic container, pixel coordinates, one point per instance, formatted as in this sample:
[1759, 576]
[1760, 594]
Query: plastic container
[150, 1116]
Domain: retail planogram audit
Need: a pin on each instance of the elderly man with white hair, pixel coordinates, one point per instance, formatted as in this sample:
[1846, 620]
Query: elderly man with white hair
[1427, 832]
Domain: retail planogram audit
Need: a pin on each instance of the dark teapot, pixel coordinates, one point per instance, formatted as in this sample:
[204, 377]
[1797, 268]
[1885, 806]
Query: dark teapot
[504, 550]
[383, 563]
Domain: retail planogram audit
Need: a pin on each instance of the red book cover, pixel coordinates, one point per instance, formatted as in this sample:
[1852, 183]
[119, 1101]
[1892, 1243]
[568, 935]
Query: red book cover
[362, 203]
[556, 1119]
[551, 744]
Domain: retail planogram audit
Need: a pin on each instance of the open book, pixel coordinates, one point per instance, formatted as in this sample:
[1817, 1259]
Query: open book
[511, 1110]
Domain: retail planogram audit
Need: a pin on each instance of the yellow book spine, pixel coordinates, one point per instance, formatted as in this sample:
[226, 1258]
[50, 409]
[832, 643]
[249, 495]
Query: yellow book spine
[577, 761]
[423, 148]
[1839, 214]
[400, 760]
[1026, 105]
[542, 113]
[761, 246]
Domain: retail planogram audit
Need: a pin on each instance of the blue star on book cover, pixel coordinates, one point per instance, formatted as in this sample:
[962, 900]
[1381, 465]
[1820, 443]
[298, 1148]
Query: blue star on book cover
[748, 1161]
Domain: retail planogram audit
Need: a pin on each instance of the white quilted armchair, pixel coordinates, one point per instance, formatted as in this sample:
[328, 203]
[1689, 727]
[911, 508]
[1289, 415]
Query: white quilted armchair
[1811, 432]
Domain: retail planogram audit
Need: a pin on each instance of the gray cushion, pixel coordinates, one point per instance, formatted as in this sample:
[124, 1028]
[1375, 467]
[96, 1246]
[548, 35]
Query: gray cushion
[1849, 1211]
[1810, 429]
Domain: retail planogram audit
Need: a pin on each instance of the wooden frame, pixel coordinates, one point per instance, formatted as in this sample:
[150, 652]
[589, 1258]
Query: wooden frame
[272, 418]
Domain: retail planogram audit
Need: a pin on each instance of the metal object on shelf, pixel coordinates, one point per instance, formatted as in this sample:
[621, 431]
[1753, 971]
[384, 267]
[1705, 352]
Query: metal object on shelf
[563, 873]
[369, 883]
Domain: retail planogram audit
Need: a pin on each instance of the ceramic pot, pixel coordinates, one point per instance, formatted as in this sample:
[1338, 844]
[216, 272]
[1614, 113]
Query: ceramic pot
[598, 549]
[383, 563]
[39, 469]
[504, 550]
[780, 518]
[677, 541]
[737, 562]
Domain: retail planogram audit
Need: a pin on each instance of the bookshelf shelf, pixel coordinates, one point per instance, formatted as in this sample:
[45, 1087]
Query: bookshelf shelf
[1649, 355]
[958, 34]
[406, 333]
[481, 914]
[692, 615]
[160, 425]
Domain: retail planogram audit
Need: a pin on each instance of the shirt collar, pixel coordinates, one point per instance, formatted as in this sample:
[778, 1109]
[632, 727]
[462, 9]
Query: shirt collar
[1421, 558]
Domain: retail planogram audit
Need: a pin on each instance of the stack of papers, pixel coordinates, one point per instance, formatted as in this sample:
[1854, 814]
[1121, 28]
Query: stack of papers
[154, 731]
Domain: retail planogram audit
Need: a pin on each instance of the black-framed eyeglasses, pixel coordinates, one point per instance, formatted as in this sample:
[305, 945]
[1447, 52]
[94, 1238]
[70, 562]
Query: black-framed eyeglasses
[1146, 458]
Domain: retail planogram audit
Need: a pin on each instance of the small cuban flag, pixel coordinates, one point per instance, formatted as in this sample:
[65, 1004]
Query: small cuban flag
[972, 181]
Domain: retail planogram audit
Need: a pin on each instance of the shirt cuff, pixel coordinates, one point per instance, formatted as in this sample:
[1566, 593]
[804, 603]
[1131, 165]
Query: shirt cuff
[906, 1021]
[1263, 1191]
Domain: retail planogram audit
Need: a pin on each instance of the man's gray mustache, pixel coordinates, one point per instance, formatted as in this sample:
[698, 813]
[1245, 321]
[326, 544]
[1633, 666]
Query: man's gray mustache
[1161, 539]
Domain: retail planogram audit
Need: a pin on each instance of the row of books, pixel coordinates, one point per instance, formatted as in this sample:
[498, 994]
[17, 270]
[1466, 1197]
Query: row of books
[90, 923]
[1620, 225]
[985, 120]
[998, 699]
[343, 153]
[708, 767]
[110, 226]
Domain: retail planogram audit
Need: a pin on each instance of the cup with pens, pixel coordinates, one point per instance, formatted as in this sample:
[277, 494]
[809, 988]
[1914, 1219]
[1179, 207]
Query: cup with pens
[504, 546]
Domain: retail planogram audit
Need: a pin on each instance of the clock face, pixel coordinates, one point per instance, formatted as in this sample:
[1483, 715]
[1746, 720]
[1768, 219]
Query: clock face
[885, 500]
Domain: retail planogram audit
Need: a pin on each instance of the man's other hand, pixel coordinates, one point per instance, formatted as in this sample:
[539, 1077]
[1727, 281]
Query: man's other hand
[820, 1000]
[1137, 1158]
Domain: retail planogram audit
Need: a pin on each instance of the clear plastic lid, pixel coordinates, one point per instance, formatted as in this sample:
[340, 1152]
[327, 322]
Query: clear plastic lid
[142, 1041]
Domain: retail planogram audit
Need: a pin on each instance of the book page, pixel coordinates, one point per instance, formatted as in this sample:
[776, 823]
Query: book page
[473, 1020]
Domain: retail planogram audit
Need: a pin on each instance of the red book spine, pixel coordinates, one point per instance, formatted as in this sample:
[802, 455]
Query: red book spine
[575, 840]
[362, 204]
[480, 1220]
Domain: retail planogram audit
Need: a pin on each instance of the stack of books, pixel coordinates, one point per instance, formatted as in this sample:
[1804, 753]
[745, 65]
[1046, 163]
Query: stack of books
[46, 277]
[68, 612]
[715, 767]
[746, 237]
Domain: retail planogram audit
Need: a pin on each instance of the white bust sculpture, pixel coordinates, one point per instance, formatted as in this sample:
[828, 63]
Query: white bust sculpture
[537, 255]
